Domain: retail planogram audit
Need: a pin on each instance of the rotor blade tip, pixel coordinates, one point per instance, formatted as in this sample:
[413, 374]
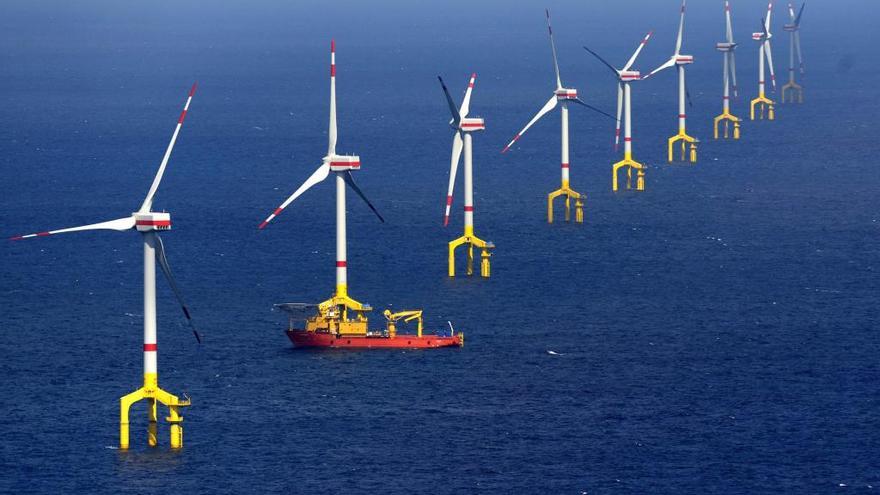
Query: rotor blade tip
[192, 90]
[263, 225]
[332, 45]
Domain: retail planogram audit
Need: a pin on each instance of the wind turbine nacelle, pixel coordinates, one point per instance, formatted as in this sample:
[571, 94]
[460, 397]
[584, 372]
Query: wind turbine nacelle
[759, 37]
[790, 27]
[146, 222]
[471, 125]
[630, 75]
[725, 46]
[684, 59]
[566, 94]
[344, 163]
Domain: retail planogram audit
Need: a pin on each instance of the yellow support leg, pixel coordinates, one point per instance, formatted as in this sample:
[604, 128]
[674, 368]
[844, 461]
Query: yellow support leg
[153, 395]
[470, 259]
[124, 406]
[579, 210]
[152, 430]
[484, 263]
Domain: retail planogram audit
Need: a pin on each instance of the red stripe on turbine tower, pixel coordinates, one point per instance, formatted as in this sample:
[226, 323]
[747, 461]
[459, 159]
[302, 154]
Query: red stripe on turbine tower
[150, 347]
[341, 264]
[469, 208]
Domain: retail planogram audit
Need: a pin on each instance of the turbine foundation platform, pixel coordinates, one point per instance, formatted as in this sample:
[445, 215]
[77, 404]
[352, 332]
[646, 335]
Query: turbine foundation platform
[688, 146]
[630, 165]
[794, 91]
[154, 395]
[471, 241]
[569, 194]
[727, 121]
[764, 106]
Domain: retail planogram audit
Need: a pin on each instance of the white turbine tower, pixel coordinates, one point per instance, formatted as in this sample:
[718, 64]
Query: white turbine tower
[341, 165]
[680, 61]
[794, 90]
[728, 49]
[564, 95]
[625, 76]
[148, 223]
[463, 127]
[762, 102]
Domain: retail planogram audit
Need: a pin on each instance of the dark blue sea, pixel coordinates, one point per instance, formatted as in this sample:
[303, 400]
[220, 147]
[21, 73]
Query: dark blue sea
[716, 333]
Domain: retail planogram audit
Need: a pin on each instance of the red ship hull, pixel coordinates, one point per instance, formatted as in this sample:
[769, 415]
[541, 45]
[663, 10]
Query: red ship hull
[304, 339]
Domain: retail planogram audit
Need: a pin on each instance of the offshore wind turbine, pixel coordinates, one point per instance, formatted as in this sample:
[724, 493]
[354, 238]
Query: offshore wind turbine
[463, 127]
[763, 37]
[334, 311]
[561, 95]
[728, 50]
[148, 223]
[625, 77]
[680, 61]
[795, 91]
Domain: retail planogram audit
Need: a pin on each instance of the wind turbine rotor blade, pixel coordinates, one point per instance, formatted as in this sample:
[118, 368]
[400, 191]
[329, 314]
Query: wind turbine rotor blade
[769, 12]
[797, 20]
[466, 102]
[733, 74]
[316, 177]
[456, 117]
[591, 107]
[148, 201]
[121, 224]
[669, 63]
[613, 70]
[550, 105]
[331, 132]
[166, 269]
[635, 54]
[769, 53]
[764, 29]
[619, 110]
[791, 12]
[453, 170]
[553, 48]
[680, 29]
[729, 25]
[797, 47]
[347, 177]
